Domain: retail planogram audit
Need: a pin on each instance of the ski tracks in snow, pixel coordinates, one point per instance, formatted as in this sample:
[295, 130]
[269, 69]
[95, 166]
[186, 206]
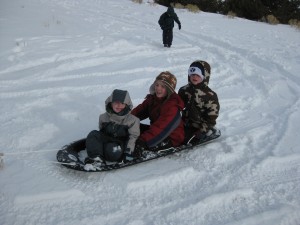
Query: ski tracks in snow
[53, 88]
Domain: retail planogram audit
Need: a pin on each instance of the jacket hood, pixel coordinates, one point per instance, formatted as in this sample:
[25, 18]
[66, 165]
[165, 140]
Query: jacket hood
[170, 10]
[205, 68]
[121, 96]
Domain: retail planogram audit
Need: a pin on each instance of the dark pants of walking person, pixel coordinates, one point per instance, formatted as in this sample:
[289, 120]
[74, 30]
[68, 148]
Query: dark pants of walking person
[167, 37]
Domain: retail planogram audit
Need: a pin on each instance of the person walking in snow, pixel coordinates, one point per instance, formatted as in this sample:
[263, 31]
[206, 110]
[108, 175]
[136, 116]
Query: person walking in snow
[201, 103]
[118, 131]
[166, 23]
[163, 107]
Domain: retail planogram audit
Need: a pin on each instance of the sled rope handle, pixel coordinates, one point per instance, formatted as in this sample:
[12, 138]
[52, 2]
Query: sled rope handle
[1, 161]
[28, 152]
[2, 155]
[62, 163]
[191, 139]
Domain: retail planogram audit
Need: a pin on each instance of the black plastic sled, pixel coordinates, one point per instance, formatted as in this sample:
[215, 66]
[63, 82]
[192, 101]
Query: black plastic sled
[72, 156]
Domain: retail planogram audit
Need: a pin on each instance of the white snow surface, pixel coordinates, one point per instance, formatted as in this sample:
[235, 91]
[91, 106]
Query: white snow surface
[59, 61]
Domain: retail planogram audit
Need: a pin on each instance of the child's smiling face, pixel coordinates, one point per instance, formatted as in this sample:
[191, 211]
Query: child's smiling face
[195, 79]
[160, 89]
[118, 106]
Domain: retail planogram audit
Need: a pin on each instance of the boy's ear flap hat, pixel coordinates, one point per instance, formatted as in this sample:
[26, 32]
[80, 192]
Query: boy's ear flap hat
[168, 79]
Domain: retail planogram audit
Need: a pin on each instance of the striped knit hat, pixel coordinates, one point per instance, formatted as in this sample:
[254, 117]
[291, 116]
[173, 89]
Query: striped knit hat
[167, 79]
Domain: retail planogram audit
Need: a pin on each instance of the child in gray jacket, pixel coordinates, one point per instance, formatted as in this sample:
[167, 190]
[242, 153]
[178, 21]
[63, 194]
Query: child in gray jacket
[118, 131]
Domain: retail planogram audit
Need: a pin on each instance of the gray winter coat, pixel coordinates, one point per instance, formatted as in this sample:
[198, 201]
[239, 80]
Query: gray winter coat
[129, 121]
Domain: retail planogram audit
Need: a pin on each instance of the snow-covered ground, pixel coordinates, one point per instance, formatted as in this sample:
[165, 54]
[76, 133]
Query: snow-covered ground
[60, 59]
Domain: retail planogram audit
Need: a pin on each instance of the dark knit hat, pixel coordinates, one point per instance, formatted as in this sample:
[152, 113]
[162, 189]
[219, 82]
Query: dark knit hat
[167, 79]
[196, 70]
[170, 10]
[119, 96]
[204, 67]
[201, 65]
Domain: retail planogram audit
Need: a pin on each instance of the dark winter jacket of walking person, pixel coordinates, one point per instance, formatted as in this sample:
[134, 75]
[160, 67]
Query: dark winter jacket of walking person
[166, 23]
[166, 20]
[114, 127]
[201, 103]
[164, 114]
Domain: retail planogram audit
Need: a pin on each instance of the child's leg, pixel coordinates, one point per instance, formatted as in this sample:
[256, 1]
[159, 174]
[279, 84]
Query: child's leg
[164, 37]
[94, 144]
[169, 37]
[165, 144]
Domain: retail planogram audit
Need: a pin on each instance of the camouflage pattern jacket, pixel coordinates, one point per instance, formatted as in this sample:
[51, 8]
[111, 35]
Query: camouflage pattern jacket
[201, 103]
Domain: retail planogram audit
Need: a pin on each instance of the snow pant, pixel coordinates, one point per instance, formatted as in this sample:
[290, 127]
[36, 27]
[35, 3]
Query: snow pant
[166, 143]
[98, 144]
[167, 37]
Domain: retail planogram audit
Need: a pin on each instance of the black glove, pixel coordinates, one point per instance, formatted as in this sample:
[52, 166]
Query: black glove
[179, 26]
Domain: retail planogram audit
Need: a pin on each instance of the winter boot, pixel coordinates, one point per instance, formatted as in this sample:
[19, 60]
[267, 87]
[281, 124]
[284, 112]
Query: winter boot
[93, 163]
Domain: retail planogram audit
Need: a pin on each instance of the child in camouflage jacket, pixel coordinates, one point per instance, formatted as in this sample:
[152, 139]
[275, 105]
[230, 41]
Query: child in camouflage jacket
[201, 103]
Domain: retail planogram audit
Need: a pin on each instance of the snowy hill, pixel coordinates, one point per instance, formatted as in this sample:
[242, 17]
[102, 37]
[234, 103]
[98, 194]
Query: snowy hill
[59, 61]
